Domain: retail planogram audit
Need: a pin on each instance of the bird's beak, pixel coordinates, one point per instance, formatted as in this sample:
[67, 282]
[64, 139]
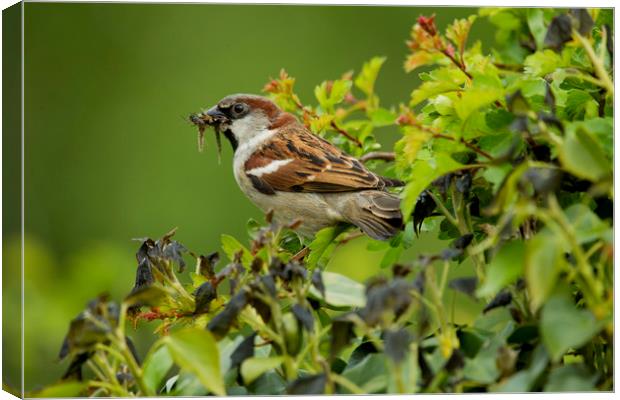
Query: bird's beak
[215, 113]
[211, 117]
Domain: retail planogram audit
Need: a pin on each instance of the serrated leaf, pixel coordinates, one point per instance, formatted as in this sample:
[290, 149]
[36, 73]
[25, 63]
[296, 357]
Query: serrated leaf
[412, 141]
[486, 89]
[424, 172]
[458, 31]
[382, 117]
[438, 81]
[365, 81]
[195, 350]
[542, 62]
[419, 59]
[322, 246]
[231, 246]
[329, 95]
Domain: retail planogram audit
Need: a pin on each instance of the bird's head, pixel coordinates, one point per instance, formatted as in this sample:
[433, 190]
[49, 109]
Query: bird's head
[241, 117]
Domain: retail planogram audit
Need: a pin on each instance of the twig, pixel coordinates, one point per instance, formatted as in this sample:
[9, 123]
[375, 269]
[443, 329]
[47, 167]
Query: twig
[378, 155]
[457, 63]
[346, 134]
[353, 235]
[510, 67]
[467, 144]
[347, 384]
[332, 124]
[301, 254]
[597, 64]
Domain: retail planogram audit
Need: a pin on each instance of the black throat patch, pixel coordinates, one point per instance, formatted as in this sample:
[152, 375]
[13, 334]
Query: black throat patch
[232, 139]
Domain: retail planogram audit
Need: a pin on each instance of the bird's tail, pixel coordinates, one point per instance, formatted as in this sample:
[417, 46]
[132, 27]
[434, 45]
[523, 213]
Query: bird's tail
[375, 212]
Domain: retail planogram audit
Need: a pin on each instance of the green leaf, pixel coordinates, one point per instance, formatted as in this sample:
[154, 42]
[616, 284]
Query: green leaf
[505, 268]
[483, 367]
[440, 80]
[195, 350]
[588, 226]
[156, 365]
[544, 260]
[578, 104]
[365, 81]
[226, 348]
[270, 383]
[231, 246]
[423, 173]
[254, 367]
[602, 129]
[563, 326]
[391, 256]
[322, 246]
[542, 63]
[411, 143]
[458, 31]
[486, 88]
[370, 373]
[524, 380]
[341, 291]
[536, 23]
[571, 378]
[338, 90]
[382, 117]
[581, 154]
[62, 389]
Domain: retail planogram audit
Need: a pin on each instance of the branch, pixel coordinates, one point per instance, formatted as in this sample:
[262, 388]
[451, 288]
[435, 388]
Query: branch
[457, 63]
[469, 145]
[346, 134]
[378, 155]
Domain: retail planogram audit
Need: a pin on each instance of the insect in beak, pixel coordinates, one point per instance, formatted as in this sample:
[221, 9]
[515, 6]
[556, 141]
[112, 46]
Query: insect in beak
[212, 117]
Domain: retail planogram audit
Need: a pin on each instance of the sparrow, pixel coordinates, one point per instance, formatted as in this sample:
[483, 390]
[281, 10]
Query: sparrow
[280, 165]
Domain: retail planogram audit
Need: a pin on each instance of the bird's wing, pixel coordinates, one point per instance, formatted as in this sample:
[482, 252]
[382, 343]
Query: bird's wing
[296, 160]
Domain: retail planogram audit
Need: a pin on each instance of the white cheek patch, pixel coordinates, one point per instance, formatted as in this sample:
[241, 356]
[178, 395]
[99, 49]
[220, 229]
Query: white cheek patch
[269, 168]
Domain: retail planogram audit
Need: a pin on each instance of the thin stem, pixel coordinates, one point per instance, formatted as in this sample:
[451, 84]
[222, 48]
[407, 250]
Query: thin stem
[457, 63]
[347, 384]
[467, 144]
[458, 204]
[582, 261]
[597, 63]
[444, 277]
[96, 370]
[346, 134]
[119, 340]
[443, 208]
[378, 155]
[109, 387]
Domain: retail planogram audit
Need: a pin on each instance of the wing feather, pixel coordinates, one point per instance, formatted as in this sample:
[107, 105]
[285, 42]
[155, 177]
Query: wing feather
[314, 165]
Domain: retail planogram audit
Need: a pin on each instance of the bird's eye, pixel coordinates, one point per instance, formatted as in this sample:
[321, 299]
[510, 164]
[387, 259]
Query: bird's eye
[239, 109]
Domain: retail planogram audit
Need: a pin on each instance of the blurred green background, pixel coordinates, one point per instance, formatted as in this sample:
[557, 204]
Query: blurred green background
[110, 155]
